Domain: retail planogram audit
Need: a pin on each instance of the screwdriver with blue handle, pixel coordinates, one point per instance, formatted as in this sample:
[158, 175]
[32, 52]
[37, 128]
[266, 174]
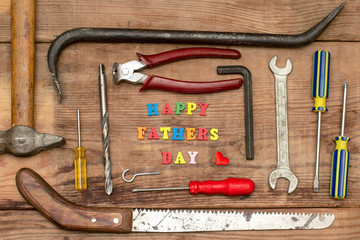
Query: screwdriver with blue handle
[320, 92]
[340, 160]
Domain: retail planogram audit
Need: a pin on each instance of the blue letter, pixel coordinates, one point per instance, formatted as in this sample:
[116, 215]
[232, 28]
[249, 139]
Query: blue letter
[153, 109]
[178, 134]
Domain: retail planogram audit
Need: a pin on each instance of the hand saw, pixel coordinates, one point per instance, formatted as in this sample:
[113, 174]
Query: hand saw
[68, 215]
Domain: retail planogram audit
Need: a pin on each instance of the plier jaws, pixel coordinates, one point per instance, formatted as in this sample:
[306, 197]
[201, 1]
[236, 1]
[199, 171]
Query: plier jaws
[127, 72]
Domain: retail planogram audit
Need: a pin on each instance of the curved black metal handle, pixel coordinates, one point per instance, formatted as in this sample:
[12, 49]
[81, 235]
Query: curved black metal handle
[189, 37]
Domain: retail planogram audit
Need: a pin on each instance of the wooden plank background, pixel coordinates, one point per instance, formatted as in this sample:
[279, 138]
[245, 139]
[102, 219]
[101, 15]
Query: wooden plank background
[78, 73]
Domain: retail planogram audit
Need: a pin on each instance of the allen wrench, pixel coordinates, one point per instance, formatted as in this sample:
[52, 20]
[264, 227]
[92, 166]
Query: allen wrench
[249, 126]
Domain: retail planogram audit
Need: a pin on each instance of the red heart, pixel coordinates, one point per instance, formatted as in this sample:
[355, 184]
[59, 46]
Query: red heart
[220, 159]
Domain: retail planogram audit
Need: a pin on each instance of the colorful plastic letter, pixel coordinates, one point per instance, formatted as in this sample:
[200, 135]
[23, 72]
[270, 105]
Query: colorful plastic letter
[192, 157]
[179, 107]
[141, 132]
[191, 107]
[178, 134]
[153, 134]
[153, 109]
[167, 109]
[202, 134]
[179, 159]
[203, 107]
[214, 134]
[167, 158]
[165, 130]
[190, 134]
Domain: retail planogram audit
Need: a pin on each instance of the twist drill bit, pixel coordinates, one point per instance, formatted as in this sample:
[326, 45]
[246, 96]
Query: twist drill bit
[105, 130]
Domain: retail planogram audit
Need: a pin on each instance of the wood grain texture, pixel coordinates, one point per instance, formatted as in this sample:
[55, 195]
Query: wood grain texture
[22, 62]
[279, 16]
[37, 226]
[78, 74]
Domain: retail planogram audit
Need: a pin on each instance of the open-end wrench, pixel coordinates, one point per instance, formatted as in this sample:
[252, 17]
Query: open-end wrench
[282, 137]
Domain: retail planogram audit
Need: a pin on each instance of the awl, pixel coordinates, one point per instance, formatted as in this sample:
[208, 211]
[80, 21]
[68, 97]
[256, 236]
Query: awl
[68, 215]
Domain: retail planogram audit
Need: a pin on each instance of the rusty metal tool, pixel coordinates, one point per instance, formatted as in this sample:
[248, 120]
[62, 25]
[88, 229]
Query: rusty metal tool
[129, 71]
[184, 37]
[282, 132]
[21, 139]
[68, 215]
[105, 130]
[249, 126]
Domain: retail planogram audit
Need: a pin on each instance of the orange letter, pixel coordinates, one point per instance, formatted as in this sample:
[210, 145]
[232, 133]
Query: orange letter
[141, 132]
[190, 134]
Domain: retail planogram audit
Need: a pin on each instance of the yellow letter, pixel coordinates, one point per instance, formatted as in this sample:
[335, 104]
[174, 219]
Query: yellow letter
[179, 159]
[214, 134]
[191, 107]
[165, 130]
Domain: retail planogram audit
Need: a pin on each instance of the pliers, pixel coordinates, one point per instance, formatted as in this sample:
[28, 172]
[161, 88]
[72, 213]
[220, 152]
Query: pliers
[129, 71]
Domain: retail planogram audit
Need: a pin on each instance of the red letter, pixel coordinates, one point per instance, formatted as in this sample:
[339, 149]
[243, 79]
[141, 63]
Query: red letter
[167, 158]
[202, 134]
[203, 107]
[166, 110]
[153, 134]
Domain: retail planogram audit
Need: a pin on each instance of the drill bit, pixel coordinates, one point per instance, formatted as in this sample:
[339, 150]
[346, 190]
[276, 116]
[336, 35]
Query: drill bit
[105, 130]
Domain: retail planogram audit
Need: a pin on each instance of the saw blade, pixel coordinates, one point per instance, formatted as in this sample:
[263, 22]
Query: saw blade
[149, 220]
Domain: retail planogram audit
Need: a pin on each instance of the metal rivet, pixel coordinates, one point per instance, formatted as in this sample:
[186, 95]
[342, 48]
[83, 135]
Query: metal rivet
[116, 220]
[93, 220]
[125, 71]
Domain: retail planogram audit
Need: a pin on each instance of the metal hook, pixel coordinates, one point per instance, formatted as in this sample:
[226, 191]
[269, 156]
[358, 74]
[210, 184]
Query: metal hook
[135, 175]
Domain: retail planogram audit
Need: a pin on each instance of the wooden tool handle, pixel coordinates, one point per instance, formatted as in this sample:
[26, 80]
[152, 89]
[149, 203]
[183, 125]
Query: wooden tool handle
[22, 62]
[66, 214]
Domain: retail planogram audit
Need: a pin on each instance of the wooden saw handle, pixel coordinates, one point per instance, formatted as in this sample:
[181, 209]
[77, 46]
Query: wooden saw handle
[22, 62]
[66, 214]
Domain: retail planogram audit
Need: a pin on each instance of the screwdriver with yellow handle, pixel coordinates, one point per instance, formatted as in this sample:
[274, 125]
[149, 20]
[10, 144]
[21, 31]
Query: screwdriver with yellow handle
[320, 92]
[80, 162]
[340, 160]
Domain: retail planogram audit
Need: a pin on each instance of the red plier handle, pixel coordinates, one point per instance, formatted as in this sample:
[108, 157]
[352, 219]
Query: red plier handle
[129, 71]
[186, 53]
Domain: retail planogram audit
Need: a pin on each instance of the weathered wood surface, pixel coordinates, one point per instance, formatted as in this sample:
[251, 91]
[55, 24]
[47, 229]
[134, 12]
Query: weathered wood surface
[78, 73]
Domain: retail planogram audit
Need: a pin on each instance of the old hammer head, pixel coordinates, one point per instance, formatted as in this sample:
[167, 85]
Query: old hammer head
[23, 141]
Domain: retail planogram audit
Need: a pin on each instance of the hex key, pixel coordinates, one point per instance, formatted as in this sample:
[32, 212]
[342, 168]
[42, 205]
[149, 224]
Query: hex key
[249, 129]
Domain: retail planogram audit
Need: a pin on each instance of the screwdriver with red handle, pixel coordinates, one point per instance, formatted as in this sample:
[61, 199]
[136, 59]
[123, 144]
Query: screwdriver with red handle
[228, 187]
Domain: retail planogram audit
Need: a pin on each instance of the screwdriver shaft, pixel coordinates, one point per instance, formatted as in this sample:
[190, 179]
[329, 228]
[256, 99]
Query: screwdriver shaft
[105, 130]
[343, 110]
[79, 133]
[316, 178]
[160, 189]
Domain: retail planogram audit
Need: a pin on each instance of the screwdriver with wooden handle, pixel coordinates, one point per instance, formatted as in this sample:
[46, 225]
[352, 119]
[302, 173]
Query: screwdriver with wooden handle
[228, 187]
[340, 160]
[320, 92]
[80, 162]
